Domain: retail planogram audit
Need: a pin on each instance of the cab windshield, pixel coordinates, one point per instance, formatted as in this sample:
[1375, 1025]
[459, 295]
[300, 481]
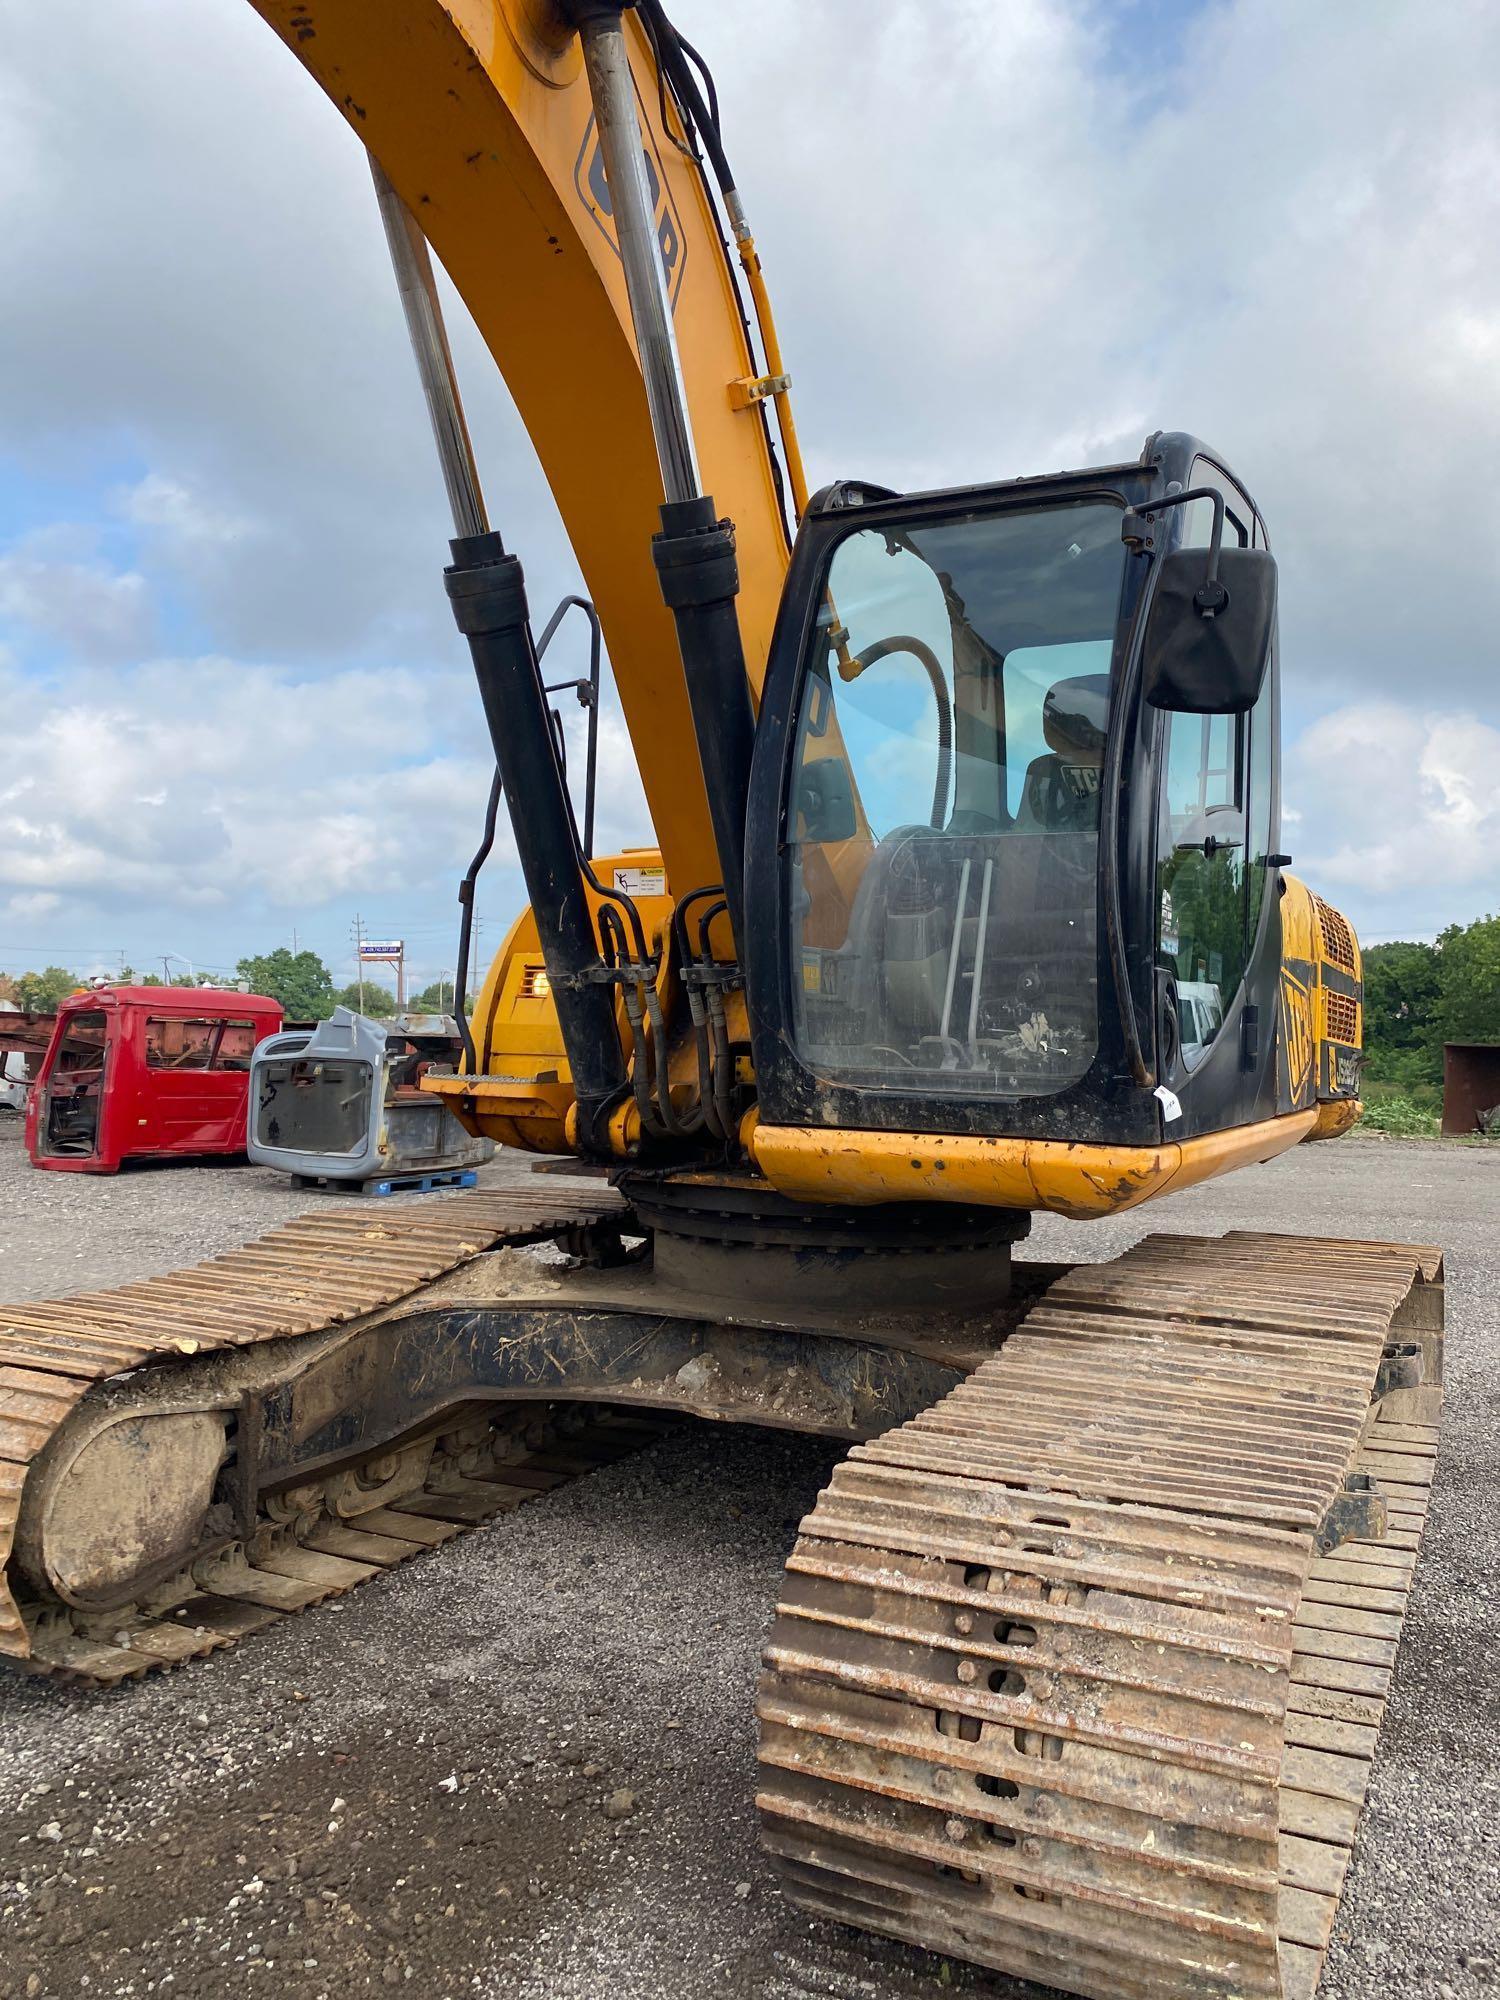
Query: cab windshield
[944, 814]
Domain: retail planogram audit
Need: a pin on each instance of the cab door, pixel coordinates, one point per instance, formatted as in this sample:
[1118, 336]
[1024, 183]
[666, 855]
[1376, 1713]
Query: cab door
[1218, 938]
[1218, 943]
[196, 1080]
[65, 1113]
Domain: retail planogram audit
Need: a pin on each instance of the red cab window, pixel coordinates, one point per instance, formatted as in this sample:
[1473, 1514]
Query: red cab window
[173, 1042]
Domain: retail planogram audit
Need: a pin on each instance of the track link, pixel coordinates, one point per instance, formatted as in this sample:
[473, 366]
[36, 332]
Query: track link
[318, 1271]
[1065, 1679]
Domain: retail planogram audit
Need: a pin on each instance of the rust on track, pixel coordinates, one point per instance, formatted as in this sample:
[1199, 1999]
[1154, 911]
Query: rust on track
[1063, 1680]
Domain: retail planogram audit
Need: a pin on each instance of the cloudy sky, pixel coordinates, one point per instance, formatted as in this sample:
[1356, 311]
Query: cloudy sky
[1004, 236]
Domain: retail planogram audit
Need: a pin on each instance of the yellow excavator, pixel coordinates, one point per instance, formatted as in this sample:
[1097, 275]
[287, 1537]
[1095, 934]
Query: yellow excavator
[966, 902]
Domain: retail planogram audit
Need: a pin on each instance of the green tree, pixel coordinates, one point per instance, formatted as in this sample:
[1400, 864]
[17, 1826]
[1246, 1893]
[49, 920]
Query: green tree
[379, 1001]
[40, 992]
[1208, 916]
[299, 980]
[1402, 1036]
[1468, 1007]
[438, 999]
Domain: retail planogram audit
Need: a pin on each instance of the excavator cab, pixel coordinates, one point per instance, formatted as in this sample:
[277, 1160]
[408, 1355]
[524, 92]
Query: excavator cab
[984, 925]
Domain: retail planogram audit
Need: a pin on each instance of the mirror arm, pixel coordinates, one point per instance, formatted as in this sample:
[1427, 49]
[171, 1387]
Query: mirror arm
[922, 653]
[1138, 524]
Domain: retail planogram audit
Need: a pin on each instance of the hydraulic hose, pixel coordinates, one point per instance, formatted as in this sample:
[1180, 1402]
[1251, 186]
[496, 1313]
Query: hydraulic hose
[676, 59]
[905, 643]
[585, 845]
[697, 1006]
[466, 921]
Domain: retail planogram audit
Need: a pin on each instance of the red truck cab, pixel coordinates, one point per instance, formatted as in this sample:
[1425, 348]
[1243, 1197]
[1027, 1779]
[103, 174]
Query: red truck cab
[145, 1072]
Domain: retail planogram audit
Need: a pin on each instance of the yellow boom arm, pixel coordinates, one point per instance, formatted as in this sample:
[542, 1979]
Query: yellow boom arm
[479, 113]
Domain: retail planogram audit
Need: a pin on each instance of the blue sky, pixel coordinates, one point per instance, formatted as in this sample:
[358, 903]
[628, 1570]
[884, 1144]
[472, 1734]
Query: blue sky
[235, 705]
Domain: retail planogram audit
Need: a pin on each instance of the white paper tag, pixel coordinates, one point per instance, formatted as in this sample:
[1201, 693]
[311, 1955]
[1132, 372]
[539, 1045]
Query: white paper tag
[641, 881]
[1170, 1106]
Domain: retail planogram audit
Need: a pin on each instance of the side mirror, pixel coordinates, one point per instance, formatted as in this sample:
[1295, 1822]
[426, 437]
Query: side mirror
[1207, 641]
[825, 801]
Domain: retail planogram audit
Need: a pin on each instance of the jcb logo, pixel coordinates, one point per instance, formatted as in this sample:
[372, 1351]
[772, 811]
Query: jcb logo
[1296, 1034]
[593, 192]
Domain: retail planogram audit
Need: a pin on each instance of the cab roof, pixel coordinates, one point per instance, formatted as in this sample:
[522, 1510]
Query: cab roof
[194, 1001]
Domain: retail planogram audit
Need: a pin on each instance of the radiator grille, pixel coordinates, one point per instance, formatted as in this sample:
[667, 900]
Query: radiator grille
[1338, 939]
[1341, 1019]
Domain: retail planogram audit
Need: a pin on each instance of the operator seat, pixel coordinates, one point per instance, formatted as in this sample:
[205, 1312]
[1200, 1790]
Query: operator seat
[1061, 792]
[1040, 916]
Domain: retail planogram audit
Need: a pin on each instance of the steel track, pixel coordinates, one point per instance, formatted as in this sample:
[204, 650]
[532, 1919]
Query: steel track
[1061, 1682]
[321, 1270]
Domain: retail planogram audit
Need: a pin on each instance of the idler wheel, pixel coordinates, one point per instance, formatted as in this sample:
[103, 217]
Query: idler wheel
[123, 1509]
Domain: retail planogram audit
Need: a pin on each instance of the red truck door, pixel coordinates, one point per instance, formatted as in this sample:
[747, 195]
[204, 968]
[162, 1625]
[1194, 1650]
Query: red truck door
[197, 1078]
[65, 1112]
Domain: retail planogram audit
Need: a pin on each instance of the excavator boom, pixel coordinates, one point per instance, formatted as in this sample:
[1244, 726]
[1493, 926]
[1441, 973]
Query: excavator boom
[480, 116]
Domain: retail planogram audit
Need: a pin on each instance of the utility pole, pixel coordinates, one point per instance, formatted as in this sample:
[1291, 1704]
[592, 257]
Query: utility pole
[359, 961]
[166, 977]
[401, 980]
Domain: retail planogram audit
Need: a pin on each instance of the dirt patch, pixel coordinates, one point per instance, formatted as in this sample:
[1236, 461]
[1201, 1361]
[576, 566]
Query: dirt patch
[354, 1868]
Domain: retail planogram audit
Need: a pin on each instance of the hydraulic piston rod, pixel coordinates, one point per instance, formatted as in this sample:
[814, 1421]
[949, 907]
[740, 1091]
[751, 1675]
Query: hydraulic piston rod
[429, 344]
[488, 595]
[694, 553]
[613, 94]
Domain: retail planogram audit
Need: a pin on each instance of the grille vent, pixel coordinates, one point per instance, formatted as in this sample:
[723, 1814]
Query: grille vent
[1338, 939]
[1341, 1018]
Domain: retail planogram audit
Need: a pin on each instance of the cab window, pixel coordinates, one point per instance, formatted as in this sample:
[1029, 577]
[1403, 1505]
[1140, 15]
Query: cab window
[173, 1042]
[1243, 527]
[942, 836]
[1214, 833]
[82, 1045]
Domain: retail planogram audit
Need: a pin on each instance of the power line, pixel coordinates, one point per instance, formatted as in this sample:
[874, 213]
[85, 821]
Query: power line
[358, 934]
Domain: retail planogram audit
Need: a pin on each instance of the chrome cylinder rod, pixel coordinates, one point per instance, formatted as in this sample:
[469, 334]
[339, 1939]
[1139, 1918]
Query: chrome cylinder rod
[613, 92]
[429, 343]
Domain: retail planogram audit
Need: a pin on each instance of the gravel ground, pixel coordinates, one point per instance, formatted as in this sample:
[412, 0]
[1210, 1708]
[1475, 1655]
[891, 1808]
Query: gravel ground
[413, 1790]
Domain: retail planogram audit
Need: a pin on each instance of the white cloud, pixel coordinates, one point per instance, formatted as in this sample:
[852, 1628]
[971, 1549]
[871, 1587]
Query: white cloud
[206, 799]
[1402, 808]
[257, 789]
[159, 502]
[50, 583]
[31, 908]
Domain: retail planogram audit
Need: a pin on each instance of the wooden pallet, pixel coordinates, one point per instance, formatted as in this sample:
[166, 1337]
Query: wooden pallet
[452, 1177]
